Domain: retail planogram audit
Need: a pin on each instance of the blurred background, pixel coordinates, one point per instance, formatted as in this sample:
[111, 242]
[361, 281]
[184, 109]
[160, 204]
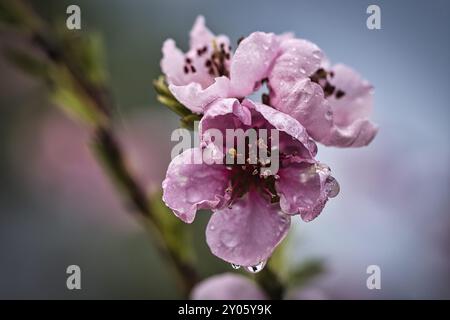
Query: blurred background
[57, 208]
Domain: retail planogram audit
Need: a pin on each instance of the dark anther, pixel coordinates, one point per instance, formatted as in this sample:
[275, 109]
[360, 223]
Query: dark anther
[321, 74]
[186, 70]
[265, 99]
[331, 74]
[208, 63]
[227, 56]
[340, 94]
[199, 52]
[328, 89]
[222, 46]
[193, 69]
[188, 60]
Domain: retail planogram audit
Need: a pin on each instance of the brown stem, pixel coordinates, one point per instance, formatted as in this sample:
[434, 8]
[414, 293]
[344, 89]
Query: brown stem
[108, 149]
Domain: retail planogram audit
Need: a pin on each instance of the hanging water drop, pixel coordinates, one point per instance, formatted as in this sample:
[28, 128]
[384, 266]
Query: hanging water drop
[256, 268]
[235, 266]
[333, 187]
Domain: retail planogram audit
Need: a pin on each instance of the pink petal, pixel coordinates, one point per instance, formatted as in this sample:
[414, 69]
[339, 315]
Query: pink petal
[189, 186]
[200, 35]
[357, 102]
[298, 60]
[227, 286]
[291, 90]
[334, 122]
[195, 98]
[358, 134]
[252, 61]
[224, 114]
[304, 101]
[249, 232]
[304, 189]
[285, 123]
[351, 112]
[172, 63]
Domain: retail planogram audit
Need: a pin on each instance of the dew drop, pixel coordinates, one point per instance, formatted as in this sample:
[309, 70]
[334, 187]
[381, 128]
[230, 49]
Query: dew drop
[257, 268]
[193, 196]
[235, 266]
[229, 239]
[333, 187]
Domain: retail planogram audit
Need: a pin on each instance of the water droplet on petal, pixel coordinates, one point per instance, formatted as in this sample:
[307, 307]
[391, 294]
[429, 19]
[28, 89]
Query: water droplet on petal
[193, 196]
[235, 266]
[257, 268]
[333, 187]
[229, 239]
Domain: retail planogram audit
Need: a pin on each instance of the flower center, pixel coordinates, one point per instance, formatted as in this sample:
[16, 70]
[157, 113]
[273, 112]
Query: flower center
[321, 78]
[217, 61]
[253, 173]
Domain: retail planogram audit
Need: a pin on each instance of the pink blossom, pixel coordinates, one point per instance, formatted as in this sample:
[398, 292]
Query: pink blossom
[251, 211]
[232, 286]
[333, 104]
[228, 286]
[307, 100]
[209, 70]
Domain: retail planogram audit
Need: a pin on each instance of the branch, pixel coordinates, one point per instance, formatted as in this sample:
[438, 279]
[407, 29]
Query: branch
[68, 78]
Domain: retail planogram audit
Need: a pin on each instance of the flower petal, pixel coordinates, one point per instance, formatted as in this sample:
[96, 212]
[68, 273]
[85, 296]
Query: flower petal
[172, 63]
[190, 186]
[190, 68]
[200, 35]
[333, 121]
[227, 286]
[195, 98]
[304, 189]
[285, 123]
[304, 101]
[298, 60]
[249, 232]
[358, 134]
[358, 99]
[252, 61]
[351, 111]
[224, 114]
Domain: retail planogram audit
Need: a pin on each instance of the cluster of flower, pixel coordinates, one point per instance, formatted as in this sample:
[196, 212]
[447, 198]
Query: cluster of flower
[306, 101]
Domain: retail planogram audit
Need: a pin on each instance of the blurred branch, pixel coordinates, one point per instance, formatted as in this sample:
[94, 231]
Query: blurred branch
[75, 76]
[306, 272]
